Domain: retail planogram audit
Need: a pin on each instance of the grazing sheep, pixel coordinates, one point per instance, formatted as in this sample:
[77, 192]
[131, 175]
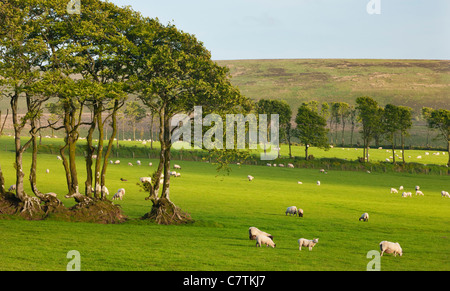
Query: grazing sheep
[393, 190]
[178, 175]
[173, 173]
[111, 162]
[264, 240]
[150, 164]
[318, 183]
[290, 166]
[146, 179]
[322, 171]
[250, 178]
[138, 163]
[303, 242]
[253, 232]
[445, 194]
[300, 212]
[59, 158]
[119, 195]
[269, 165]
[117, 162]
[130, 164]
[47, 171]
[418, 192]
[390, 247]
[364, 217]
[291, 210]
[281, 165]
[406, 194]
[401, 188]
[12, 188]
[300, 183]
[417, 188]
[177, 166]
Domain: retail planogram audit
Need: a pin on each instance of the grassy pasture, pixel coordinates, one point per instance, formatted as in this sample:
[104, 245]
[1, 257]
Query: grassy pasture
[224, 206]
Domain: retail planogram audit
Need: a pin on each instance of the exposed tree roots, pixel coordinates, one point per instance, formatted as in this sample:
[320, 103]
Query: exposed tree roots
[86, 210]
[165, 212]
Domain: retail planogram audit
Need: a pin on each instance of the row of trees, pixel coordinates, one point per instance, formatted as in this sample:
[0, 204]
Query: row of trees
[92, 62]
[377, 123]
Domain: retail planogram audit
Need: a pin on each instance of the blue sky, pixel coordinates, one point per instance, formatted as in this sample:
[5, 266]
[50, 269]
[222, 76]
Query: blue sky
[298, 29]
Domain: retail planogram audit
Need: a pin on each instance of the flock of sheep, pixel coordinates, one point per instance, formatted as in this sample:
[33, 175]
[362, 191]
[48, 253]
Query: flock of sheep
[263, 238]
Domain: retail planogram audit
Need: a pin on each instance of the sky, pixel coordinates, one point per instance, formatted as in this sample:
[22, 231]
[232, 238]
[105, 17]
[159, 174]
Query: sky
[301, 29]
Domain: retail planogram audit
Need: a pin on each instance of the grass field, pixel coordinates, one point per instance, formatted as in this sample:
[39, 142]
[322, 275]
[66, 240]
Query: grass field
[225, 206]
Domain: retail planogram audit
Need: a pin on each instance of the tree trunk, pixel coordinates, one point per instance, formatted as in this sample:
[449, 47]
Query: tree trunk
[306, 152]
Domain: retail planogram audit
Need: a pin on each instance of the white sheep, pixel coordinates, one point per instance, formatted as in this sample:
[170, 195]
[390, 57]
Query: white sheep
[12, 188]
[318, 183]
[300, 212]
[150, 164]
[290, 166]
[59, 158]
[322, 170]
[300, 183]
[119, 195]
[406, 194]
[445, 194]
[303, 242]
[146, 179]
[250, 178]
[117, 162]
[291, 210]
[417, 188]
[264, 240]
[138, 163]
[269, 165]
[253, 232]
[390, 247]
[130, 164]
[47, 171]
[177, 166]
[364, 217]
[393, 190]
[418, 192]
[178, 175]
[401, 188]
[281, 165]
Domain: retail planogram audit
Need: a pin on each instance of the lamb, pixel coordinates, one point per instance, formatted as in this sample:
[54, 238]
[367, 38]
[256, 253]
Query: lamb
[264, 240]
[390, 247]
[253, 232]
[393, 190]
[291, 210]
[364, 217]
[406, 194]
[445, 194]
[119, 195]
[307, 243]
[418, 192]
[250, 178]
[177, 166]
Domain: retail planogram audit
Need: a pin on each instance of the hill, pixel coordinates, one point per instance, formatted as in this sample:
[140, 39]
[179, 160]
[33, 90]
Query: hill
[413, 83]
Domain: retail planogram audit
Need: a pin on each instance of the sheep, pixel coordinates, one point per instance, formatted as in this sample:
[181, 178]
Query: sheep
[119, 195]
[322, 171]
[445, 194]
[393, 190]
[417, 188]
[269, 165]
[250, 178]
[12, 188]
[390, 247]
[173, 173]
[290, 166]
[281, 165]
[300, 183]
[177, 166]
[178, 175]
[291, 210]
[138, 163]
[307, 243]
[146, 179]
[300, 212]
[418, 192]
[47, 171]
[318, 183]
[59, 158]
[51, 194]
[150, 164]
[130, 164]
[406, 194]
[401, 188]
[364, 217]
[253, 232]
[117, 162]
[264, 240]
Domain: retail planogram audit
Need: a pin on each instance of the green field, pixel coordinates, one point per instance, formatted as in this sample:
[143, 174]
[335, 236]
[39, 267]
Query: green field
[225, 206]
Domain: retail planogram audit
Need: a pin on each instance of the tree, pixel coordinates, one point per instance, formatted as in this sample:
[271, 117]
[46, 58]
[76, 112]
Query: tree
[344, 112]
[368, 117]
[440, 119]
[426, 113]
[174, 73]
[353, 120]
[405, 123]
[391, 125]
[311, 128]
[135, 113]
[284, 111]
